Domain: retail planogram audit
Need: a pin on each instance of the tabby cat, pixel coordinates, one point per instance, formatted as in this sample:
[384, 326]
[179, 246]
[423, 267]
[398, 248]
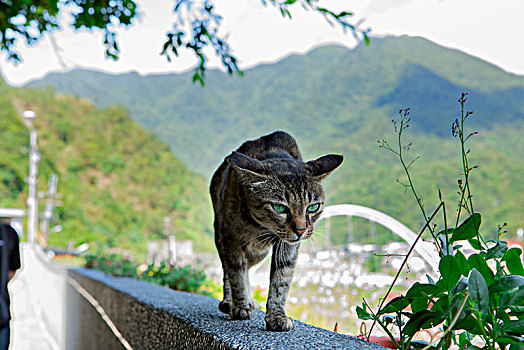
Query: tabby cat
[265, 197]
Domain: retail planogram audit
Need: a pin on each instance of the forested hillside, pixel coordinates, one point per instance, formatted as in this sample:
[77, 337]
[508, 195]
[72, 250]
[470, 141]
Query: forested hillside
[117, 180]
[339, 100]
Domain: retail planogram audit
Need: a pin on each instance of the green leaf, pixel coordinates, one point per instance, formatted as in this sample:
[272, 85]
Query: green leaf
[478, 262]
[497, 251]
[344, 14]
[464, 340]
[290, 2]
[419, 303]
[363, 314]
[460, 286]
[478, 289]
[422, 319]
[510, 339]
[513, 261]
[395, 305]
[506, 283]
[421, 289]
[468, 229]
[441, 304]
[475, 243]
[443, 232]
[516, 299]
[421, 344]
[366, 39]
[468, 323]
[515, 326]
[463, 263]
[517, 346]
[449, 270]
[198, 77]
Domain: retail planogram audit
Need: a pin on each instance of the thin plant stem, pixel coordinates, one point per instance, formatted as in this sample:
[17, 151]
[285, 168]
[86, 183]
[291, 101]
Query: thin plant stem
[484, 335]
[465, 162]
[449, 329]
[411, 186]
[405, 261]
[406, 171]
[446, 227]
[464, 165]
[466, 190]
[377, 319]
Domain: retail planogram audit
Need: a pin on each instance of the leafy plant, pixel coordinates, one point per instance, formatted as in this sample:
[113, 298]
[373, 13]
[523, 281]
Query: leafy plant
[113, 264]
[196, 26]
[185, 278]
[477, 301]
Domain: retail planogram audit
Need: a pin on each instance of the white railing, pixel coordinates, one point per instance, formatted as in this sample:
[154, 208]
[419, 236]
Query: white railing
[426, 250]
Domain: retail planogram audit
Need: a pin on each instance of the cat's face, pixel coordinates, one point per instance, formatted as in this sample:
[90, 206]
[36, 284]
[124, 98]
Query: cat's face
[285, 196]
[287, 207]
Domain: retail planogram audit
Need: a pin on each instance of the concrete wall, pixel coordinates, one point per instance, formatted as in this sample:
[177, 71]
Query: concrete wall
[153, 317]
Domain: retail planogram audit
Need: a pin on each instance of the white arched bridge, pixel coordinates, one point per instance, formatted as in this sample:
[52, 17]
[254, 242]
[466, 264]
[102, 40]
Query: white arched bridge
[426, 250]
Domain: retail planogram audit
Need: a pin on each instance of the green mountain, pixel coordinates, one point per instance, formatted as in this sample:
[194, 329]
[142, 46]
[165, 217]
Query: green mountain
[338, 100]
[117, 180]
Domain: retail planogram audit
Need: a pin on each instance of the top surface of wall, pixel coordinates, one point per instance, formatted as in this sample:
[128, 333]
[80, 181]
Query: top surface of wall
[197, 317]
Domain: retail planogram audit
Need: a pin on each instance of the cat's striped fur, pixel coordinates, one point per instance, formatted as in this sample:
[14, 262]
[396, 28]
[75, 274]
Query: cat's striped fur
[265, 198]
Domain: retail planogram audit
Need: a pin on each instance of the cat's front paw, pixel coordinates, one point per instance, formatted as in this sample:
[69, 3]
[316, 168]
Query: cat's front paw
[240, 313]
[279, 323]
[225, 305]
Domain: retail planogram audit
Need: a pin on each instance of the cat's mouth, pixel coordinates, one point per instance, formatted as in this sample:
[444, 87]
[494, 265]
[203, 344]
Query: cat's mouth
[293, 241]
[296, 240]
[292, 238]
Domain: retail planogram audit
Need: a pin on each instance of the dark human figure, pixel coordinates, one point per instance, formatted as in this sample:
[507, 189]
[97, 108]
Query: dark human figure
[9, 263]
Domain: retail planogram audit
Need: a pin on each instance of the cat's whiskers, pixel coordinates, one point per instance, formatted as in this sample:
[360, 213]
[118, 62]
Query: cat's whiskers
[319, 233]
[313, 241]
[308, 244]
[318, 248]
[264, 243]
[252, 239]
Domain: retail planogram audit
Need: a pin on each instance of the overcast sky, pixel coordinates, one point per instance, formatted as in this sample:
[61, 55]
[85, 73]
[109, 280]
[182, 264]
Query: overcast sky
[492, 30]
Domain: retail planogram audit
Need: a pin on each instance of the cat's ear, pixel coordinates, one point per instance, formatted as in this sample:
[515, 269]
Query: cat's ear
[246, 164]
[321, 167]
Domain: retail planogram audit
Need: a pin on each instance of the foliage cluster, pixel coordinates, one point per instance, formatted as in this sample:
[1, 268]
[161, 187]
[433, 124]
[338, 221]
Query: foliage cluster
[184, 278]
[30, 20]
[195, 28]
[113, 264]
[117, 180]
[477, 301]
[332, 101]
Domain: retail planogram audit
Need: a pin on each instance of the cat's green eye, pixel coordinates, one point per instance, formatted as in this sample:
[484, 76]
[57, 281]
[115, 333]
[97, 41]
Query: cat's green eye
[279, 208]
[313, 208]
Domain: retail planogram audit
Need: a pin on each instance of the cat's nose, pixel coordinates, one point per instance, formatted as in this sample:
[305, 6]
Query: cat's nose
[300, 231]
